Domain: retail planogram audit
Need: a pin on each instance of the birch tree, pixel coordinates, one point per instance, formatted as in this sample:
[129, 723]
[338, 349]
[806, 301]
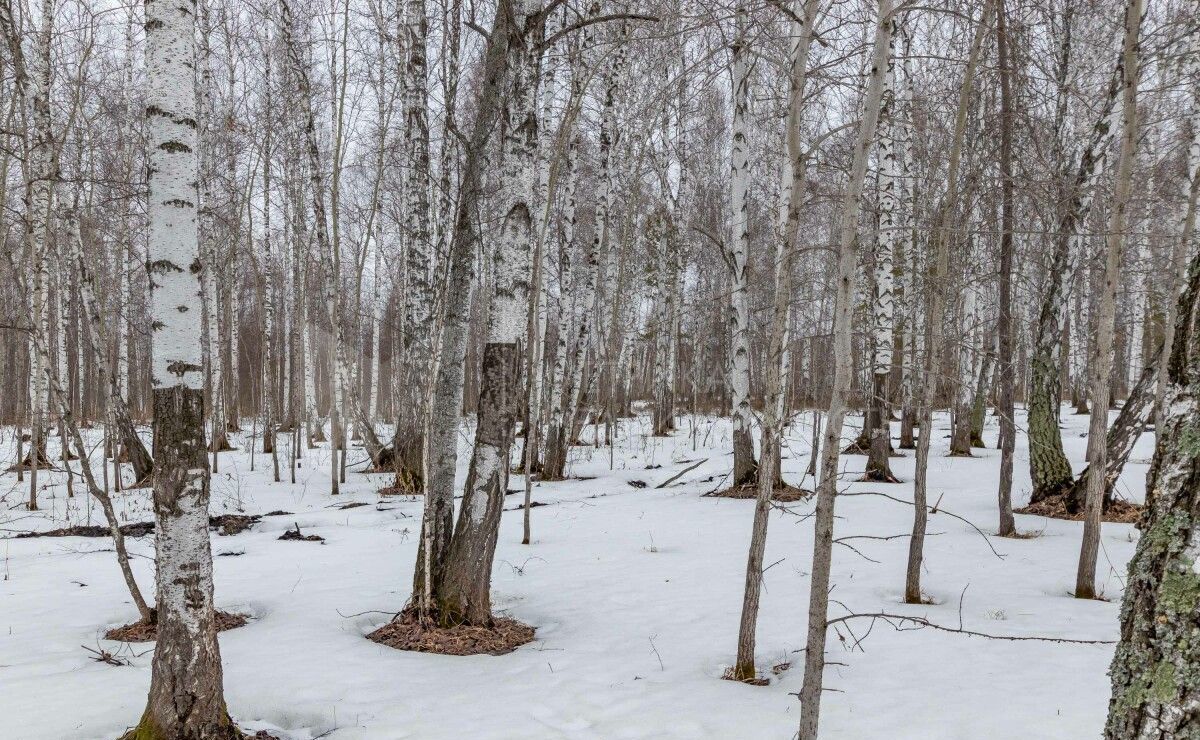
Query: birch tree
[936, 296]
[1153, 669]
[445, 388]
[562, 433]
[1152, 682]
[1048, 464]
[744, 465]
[418, 302]
[890, 231]
[32, 85]
[69, 426]
[466, 595]
[851, 207]
[186, 697]
[1101, 364]
[792, 187]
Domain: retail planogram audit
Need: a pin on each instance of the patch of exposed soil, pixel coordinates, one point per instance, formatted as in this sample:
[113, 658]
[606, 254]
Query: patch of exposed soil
[1118, 511]
[783, 494]
[44, 463]
[862, 446]
[294, 534]
[407, 633]
[225, 524]
[135, 529]
[142, 631]
[532, 505]
[224, 443]
[755, 681]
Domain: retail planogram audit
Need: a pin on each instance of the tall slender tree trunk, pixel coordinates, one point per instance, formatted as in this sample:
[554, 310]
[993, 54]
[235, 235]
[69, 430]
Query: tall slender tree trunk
[936, 292]
[557, 447]
[907, 251]
[268, 277]
[186, 699]
[1154, 688]
[792, 182]
[1182, 245]
[1102, 357]
[744, 466]
[446, 387]
[210, 296]
[465, 596]
[1048, 466]
[891, 171]
[818, 594]
[668, 273]
[571, 319]
[40, 176]
[408, 443]
[1004, 322]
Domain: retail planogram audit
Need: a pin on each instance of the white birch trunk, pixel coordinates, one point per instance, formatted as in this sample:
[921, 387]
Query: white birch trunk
[744, 466]
[572, 322]
[787, 226]
[891, 173]
[466, 593]
[186, 698]
[1154, 691]
[419, 257]
[970, 347]
[210, 289]
[39, 177]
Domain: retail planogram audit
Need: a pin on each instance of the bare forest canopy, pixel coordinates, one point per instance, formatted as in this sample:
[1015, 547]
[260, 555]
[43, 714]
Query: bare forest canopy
[312, 221]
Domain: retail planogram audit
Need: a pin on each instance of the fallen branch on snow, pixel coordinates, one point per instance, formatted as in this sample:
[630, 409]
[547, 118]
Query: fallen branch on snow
[896, 621]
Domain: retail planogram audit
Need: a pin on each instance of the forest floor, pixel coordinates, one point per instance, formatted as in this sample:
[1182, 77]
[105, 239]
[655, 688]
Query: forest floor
[635, 593]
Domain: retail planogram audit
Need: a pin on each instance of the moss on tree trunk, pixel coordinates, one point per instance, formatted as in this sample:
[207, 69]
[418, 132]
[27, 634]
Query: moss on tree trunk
[1156, 667]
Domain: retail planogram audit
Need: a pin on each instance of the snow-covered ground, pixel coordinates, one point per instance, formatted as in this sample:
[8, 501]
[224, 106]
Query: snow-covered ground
[635, 594]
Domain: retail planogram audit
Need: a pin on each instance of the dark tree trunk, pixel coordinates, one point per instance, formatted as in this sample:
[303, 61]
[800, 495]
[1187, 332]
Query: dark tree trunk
[908, 422]
[554, 462]
[186, 701]
[465, 593]
[1005, 407]
[1155, 688]
[880, 444]
[979, 404]
[1121, 437]
[131, 443]
[745, 468]
[1048, 465]
[407, 458]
